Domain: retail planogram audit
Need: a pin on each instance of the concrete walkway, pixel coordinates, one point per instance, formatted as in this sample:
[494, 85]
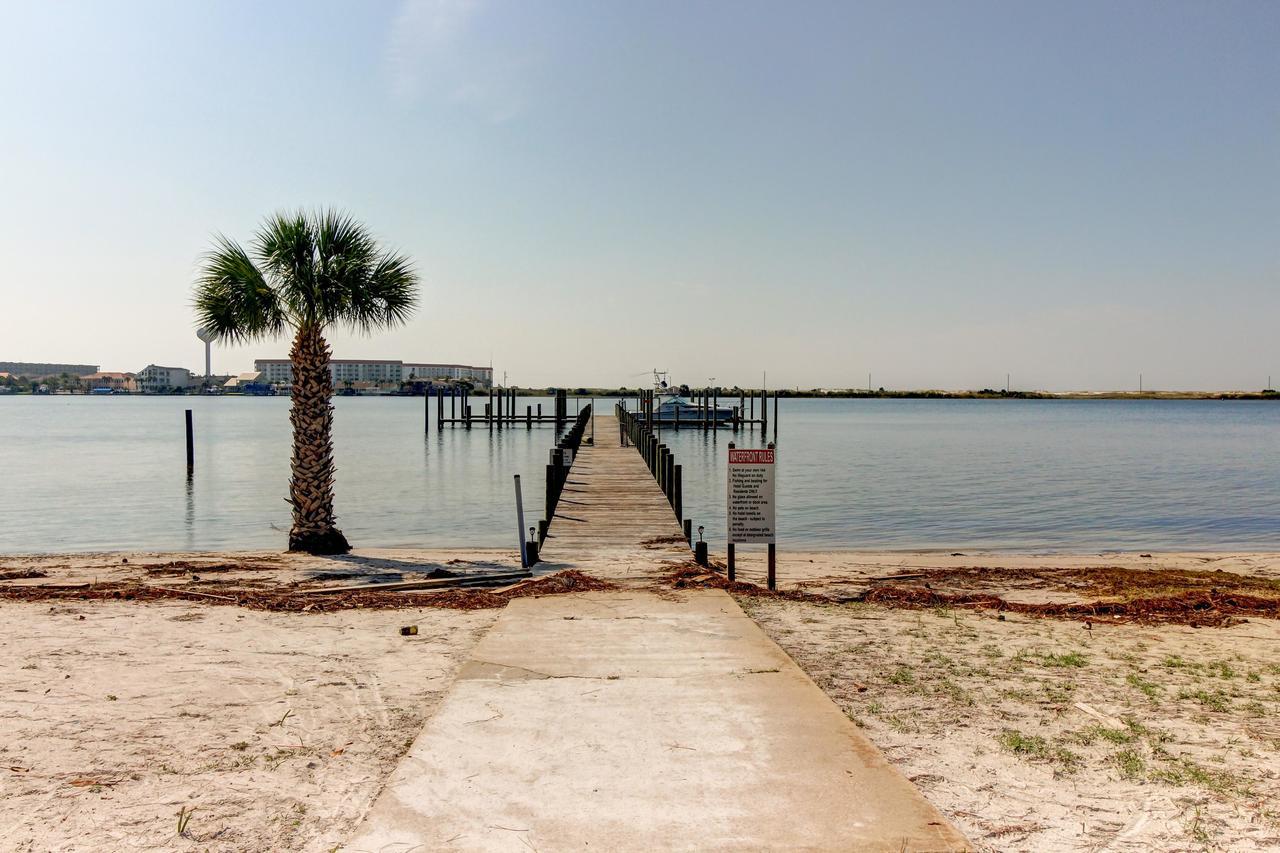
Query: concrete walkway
[637, 720]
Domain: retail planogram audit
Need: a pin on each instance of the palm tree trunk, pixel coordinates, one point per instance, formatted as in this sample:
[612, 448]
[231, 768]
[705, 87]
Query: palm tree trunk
[311, 484]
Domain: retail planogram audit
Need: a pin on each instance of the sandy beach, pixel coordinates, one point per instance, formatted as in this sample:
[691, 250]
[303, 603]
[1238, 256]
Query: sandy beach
[276, 730]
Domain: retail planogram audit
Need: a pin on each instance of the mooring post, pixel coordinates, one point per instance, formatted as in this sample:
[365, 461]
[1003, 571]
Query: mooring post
[191, 445]
[557, 459]
[775, 417]
[677, 495]
[528, 417]
[551, 493]
[453, 403]
[671, 479]
[715, 406]
[467, 412]
[426, 412]
[439, 408]
[764, 413]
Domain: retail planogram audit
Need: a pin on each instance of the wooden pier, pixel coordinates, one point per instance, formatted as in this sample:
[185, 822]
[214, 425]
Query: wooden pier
[458, 407]
[610, 500]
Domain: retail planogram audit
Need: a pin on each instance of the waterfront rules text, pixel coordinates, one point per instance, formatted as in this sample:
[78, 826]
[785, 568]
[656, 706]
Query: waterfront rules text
[750, 496]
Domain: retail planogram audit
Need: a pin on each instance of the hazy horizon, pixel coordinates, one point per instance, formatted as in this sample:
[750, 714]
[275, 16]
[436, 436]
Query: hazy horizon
[937, 194]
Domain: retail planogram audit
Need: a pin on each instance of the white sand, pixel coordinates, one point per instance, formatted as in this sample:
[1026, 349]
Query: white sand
[201, 693]
[981, 714]
[277, 729]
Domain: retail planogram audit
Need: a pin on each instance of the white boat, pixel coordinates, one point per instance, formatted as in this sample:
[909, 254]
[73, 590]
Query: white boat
[674, 409]
[679, 410]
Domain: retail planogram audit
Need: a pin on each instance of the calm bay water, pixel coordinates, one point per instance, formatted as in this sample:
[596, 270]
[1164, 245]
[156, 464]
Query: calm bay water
[105, 473]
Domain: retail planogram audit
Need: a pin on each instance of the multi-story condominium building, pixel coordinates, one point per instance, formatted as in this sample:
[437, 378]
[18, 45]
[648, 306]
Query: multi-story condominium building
[154, 379]
[479, 375]
[279, 371]
[114, 381]
[38, 370]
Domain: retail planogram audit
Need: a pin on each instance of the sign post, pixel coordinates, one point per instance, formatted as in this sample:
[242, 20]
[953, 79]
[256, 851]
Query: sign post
[750, 495]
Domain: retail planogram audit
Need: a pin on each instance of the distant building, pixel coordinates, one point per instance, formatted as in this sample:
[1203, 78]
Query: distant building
[454, 372]
[248, 383]
[38, 370]
[115, 381]
[279, 371]
[154, 379]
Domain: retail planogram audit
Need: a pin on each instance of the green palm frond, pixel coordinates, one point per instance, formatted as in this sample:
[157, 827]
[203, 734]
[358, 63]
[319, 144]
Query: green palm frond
[308, 269]
[386, 297]
[285, 248]
[233, 298]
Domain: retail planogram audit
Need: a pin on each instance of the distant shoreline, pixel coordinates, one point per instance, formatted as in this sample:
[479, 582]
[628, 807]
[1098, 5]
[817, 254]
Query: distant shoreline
[727, 395]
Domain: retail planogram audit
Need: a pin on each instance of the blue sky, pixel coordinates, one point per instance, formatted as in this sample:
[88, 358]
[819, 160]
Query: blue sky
[936, 193]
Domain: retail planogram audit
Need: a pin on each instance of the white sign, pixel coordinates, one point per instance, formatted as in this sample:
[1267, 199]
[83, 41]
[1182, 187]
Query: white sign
[750, 492]
[568, 456]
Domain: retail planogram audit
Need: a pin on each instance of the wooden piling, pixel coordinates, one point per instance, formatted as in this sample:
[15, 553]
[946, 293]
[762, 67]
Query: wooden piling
[677, 495]
[732, 569]
[191, 445]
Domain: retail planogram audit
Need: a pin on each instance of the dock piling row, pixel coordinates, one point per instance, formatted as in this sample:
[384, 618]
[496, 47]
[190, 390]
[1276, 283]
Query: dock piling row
[558, 469]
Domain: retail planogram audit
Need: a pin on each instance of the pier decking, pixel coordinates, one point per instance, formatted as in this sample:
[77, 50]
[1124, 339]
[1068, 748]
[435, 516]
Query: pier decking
[610, 501]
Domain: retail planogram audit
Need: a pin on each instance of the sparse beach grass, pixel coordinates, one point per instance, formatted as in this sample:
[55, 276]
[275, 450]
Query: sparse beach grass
[1046, 734]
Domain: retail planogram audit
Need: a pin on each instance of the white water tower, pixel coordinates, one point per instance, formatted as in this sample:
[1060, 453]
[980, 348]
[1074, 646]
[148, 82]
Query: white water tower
[208, 336]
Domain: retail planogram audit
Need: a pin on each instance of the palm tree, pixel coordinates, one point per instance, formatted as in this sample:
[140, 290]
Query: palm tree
[305, 272]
